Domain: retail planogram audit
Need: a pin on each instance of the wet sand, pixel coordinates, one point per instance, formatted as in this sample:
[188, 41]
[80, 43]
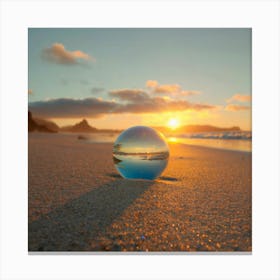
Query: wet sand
[78, 202]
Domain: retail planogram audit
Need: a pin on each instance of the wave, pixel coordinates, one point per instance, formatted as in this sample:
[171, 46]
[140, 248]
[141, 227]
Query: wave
[231, 135]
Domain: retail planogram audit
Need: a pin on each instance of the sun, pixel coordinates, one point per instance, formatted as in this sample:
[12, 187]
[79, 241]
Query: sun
[173, 123]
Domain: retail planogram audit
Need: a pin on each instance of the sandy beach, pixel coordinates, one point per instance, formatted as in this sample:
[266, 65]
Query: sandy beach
[78, 201]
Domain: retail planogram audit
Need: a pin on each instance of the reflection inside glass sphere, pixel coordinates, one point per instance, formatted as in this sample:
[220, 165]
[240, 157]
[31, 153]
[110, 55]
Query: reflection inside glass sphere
[140, 152]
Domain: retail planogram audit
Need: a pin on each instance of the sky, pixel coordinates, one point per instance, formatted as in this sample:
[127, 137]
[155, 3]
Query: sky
[117, 78]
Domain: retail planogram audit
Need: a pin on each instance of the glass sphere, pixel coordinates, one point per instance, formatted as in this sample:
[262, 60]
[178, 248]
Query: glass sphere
[140, 152]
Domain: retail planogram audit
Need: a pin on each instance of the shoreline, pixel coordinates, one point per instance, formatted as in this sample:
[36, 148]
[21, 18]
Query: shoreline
[92, 141]
[215, 148]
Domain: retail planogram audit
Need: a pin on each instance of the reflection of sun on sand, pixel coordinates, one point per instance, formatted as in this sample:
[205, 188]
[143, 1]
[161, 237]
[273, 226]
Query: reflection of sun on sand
[77, 201]
[172, 139]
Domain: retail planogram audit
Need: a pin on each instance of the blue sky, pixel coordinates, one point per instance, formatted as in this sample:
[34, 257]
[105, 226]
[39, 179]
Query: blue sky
[214, 62]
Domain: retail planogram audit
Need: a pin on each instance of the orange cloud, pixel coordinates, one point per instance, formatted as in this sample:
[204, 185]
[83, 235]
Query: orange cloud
[58, 54]
[170, 89]
[240, 98]
[151, 83]
[234, 107]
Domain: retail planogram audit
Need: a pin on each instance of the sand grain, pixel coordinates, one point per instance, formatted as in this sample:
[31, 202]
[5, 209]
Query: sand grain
[78, 202]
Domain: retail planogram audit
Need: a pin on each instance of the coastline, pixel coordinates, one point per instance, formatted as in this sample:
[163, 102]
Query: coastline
[111, 137]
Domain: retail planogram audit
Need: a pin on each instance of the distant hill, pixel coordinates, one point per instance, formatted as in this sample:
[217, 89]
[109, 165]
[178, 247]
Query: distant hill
[37, 124]
[33, 125]
[208, 128]
[197, 129]
[81, 127]
[49, 124]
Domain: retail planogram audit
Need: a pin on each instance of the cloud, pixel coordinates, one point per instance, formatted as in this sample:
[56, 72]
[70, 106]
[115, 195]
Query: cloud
[95, 107]
[151, 83]
[162, 104]
[235, 107]
[67, 107]
[132, 95]
[169, 89]
[58, 54]
[30, 91]
[240, 98]
[96, 90]
[189, 92]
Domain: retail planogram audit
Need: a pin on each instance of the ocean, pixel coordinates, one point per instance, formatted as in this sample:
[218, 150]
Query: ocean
[233, 140]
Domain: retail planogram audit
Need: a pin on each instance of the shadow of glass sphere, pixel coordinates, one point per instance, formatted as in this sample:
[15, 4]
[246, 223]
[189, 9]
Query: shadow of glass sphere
[140, 152]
